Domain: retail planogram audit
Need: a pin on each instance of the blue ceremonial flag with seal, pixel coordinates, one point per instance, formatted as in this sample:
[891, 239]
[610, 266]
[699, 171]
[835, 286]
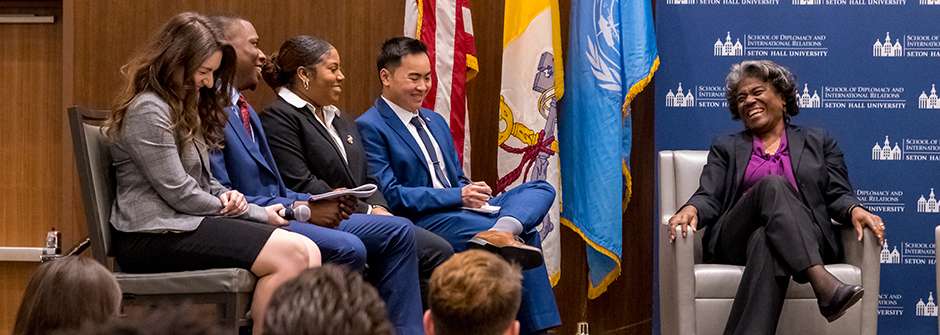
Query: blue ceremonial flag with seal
[611, 58]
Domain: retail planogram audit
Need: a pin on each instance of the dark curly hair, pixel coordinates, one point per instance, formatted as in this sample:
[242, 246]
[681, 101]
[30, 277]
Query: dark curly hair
[326, 300]
[779, 77]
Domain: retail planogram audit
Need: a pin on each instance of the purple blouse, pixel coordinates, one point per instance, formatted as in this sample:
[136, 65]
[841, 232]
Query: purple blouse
[763, 164]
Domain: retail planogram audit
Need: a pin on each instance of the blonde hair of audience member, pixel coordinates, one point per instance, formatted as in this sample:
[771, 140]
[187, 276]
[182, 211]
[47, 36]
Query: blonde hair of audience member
[474, 292]
[327, 300]
[65, 294]
[166, 67]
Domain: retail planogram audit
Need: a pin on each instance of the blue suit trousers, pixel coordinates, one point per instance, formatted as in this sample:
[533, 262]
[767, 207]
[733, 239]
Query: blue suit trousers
[528, 203]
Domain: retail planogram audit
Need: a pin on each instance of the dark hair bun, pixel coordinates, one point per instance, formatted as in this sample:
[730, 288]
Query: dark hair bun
[281, 67]
[271, 72]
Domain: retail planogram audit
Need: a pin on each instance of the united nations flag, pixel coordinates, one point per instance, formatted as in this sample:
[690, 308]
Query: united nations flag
[611, 57]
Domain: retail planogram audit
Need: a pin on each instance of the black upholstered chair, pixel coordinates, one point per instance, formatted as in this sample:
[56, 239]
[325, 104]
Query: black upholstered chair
[229, 289]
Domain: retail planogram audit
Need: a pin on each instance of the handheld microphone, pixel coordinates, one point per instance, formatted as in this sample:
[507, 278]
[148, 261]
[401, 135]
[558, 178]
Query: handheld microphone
[300, 213]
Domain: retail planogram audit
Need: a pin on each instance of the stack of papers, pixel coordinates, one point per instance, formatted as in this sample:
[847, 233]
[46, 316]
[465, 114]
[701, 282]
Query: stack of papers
[363, 191]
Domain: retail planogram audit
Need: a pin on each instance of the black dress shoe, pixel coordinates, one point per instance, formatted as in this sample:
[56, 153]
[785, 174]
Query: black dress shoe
[841, 301]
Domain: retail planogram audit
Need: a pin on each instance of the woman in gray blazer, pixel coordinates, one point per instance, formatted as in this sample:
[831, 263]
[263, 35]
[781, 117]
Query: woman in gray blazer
[170, 214]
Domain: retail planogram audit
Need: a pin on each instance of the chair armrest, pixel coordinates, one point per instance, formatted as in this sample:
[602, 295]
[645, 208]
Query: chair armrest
[866, 255]
[676, 281]
[937, 246]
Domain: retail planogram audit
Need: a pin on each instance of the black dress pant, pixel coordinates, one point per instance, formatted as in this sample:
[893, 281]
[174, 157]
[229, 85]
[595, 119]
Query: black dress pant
[773, 234]
[432, 251]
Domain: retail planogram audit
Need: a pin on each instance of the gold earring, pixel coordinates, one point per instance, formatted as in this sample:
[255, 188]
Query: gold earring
[306, 84]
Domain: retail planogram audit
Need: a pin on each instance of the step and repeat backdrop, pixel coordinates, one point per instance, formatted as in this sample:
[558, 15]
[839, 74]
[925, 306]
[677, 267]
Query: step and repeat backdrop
[867, 71]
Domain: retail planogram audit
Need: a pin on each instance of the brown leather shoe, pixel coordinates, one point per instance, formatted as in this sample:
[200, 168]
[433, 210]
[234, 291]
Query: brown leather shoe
[509, 246]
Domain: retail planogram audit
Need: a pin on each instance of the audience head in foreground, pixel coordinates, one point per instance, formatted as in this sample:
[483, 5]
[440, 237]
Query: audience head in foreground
[474, 292]
[326, 300]
[65, 294]
[163, 320]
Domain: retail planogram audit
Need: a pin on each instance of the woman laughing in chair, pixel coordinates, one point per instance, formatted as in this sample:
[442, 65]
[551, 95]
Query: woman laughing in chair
[767, 196]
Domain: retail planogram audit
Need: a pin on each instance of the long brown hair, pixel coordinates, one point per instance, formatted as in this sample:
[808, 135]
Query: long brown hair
[182, 44]
[65, 294]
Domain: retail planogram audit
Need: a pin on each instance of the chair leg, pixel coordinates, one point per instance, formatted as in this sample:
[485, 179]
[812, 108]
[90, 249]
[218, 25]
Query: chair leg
[228, 311]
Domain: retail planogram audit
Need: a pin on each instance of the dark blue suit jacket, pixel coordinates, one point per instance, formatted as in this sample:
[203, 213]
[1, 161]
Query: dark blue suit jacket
[397, 163]
[818, 167]
[259, 182]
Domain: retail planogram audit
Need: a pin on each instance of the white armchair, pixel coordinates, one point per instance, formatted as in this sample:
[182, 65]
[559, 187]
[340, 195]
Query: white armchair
[696, 298]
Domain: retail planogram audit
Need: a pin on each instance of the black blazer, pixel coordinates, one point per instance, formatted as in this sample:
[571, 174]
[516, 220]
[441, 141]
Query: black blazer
[307, 157]
[818, 167]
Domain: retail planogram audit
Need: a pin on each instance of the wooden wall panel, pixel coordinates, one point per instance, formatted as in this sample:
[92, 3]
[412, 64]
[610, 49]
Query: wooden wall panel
[110, 30]
[483, 90]
[31, 201]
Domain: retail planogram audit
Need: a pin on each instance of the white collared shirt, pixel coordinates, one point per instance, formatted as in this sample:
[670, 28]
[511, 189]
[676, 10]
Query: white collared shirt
[329, 113]
[406, 117]
[238, 113]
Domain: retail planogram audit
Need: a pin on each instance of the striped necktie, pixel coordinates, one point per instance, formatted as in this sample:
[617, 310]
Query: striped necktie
[430, 148]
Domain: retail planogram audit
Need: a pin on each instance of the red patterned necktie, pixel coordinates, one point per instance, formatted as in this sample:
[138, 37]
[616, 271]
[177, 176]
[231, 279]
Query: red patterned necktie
[243, 106]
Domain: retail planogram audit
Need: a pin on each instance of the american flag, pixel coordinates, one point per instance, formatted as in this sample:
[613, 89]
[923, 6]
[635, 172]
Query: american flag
[447, 29]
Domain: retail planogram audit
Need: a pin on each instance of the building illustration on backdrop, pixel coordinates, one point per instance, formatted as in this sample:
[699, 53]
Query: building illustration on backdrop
[887, 49]
[727, 48]
[928, 309]
[928, 205]
[808, 101]
[886, 152]
[929, 101]
[890, 257]
[680, 99]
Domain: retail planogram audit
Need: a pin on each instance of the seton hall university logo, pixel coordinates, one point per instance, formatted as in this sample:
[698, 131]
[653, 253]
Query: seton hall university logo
[680, 99]
[808, 101]
[929, 101]
[890, 257]
[886, 152]
[727, 48]
[887, 49]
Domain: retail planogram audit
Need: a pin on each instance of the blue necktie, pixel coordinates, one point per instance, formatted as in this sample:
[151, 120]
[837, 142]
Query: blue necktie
[430, 148]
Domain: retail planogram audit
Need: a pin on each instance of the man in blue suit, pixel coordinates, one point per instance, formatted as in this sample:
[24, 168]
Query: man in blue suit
[411, 153]
[386, 243]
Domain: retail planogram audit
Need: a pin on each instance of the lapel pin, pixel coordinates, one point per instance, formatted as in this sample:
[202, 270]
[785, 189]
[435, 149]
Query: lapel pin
[349, 139]
[427, 118]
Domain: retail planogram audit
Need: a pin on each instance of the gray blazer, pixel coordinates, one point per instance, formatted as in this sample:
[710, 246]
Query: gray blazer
[162, 186]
